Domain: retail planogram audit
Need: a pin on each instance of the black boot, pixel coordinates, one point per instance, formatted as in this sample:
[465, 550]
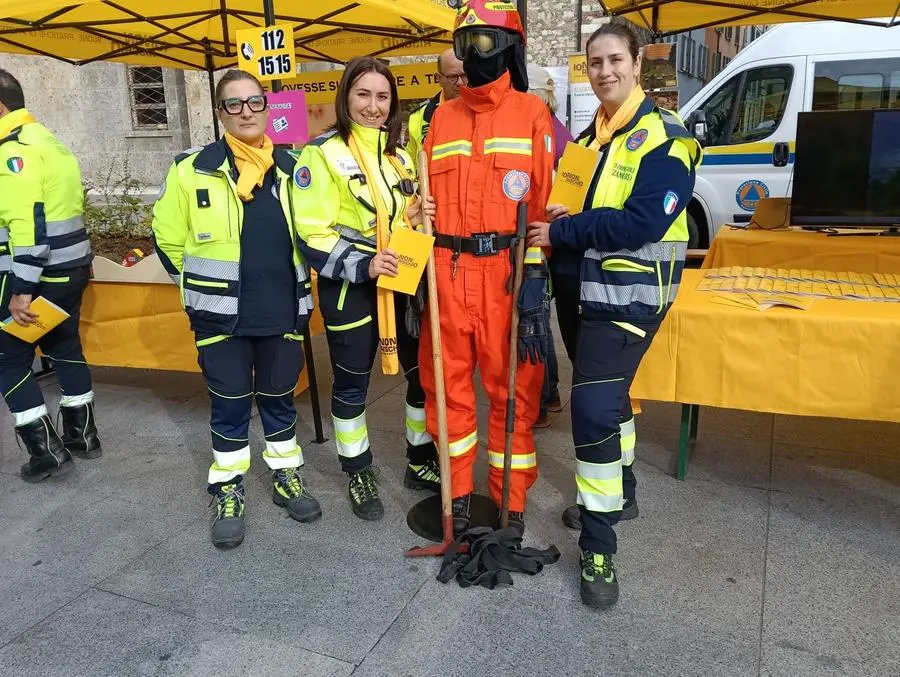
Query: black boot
[516, 520]
[289, 492]
[462, 515]
[228, 523]
[599, 585]
[49, 455]
[364, 495]
[80, 431]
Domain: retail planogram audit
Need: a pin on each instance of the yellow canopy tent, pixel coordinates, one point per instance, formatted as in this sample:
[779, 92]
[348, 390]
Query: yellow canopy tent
[199, 34]
[673, 16]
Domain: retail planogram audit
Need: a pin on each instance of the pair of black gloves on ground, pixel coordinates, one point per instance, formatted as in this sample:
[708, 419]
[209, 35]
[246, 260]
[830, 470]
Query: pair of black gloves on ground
[534, 313]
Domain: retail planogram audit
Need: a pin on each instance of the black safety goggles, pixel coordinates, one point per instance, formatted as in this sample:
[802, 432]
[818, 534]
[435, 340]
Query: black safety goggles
[486, 42]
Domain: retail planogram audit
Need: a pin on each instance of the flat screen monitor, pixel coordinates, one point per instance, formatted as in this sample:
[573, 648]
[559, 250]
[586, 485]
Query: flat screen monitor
[847, 169]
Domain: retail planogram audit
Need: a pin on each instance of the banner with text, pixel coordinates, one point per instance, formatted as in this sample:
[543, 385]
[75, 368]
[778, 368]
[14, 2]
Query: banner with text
[414, 81]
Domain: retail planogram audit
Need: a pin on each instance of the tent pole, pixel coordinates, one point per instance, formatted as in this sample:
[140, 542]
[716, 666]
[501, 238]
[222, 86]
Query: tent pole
[210, 70]
[269, 14]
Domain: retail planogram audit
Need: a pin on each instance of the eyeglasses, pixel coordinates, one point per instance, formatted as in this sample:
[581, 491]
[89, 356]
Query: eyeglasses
[461, 77]
[256, 103]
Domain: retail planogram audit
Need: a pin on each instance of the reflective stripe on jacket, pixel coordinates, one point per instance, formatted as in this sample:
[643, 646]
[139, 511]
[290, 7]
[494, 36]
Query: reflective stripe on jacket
[197, 224]
[634, 233]
[41, 205]
[337, 227]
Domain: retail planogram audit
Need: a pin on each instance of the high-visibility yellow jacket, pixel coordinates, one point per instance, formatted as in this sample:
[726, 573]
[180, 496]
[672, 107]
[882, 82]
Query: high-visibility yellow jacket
[197, 223]
[41, 205]
[633, 233]
[338, 225]
[419, 122]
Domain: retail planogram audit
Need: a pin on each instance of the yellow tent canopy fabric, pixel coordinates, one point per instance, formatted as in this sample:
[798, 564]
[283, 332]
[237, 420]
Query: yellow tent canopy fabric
[200, 34]
[673, 16]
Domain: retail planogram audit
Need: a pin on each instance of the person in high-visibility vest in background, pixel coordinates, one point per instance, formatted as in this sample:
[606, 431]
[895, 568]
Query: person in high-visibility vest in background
[488, 150]
[44, 251]
[450, 75]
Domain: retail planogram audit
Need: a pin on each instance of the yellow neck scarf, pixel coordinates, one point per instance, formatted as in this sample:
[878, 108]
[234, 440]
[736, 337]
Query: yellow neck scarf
[605, 126]
[14, 120]
[387, 321]
[252, 164]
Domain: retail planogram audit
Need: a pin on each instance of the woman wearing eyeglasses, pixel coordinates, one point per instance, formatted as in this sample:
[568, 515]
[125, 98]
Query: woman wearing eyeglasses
[358, 186]
[224, 227]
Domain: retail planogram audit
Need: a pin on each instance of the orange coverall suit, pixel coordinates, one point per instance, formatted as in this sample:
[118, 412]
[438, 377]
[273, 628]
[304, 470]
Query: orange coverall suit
[489, 149]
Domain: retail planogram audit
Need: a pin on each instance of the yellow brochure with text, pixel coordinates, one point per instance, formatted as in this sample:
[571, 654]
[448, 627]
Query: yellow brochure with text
[573, 177]
[413, 249]
[49, 315]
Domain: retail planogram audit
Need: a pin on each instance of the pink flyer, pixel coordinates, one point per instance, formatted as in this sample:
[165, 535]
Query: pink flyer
[287, 117]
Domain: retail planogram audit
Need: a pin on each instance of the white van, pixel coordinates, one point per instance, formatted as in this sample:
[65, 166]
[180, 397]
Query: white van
[751, 110]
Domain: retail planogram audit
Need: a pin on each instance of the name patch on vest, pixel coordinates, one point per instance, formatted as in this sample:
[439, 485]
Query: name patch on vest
[516, 184]
[303, 177]
[636, 140]
[347, 166]
[623, 172]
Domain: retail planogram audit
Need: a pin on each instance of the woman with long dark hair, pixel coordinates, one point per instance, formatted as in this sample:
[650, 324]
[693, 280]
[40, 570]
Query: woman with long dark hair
[360, 185]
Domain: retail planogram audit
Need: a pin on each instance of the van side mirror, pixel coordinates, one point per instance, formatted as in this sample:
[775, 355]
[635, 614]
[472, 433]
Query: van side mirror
[696, 124]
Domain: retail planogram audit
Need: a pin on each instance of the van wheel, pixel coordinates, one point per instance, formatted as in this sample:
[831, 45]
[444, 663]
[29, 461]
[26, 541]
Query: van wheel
[693, 232]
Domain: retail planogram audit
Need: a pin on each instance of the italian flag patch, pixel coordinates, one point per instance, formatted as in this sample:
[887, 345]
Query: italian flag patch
[15, 164]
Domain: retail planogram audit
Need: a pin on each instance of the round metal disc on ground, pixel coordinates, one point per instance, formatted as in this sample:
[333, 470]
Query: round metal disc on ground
[424, 518]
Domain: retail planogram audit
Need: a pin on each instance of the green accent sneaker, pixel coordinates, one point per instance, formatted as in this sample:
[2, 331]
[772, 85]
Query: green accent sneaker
[364, 498]
[599, 585]
[427, 476]
[228, 524]
[289, 493]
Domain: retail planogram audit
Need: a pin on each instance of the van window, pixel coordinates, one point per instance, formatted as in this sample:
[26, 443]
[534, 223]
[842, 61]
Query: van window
[860, 84]
[894, 99]
[860, 92]
[748, 107]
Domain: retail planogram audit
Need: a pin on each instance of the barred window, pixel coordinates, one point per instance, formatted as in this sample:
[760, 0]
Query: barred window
[148, 98]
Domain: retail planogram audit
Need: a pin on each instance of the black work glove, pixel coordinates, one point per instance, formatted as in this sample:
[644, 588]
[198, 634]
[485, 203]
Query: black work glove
[534, 315]
[415, 306]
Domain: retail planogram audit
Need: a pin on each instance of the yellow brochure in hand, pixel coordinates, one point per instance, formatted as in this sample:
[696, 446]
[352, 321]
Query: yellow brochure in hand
[413, 249]
[573, 177]
[49, 315]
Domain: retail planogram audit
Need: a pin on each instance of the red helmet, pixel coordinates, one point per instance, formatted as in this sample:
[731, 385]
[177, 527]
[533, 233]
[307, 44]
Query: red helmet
[487, 13]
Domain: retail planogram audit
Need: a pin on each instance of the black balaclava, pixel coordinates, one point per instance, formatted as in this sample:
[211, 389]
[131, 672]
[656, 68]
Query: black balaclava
[481, 71]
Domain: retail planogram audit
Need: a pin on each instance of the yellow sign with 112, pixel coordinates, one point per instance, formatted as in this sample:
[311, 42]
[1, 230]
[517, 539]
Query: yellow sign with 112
[268, 53]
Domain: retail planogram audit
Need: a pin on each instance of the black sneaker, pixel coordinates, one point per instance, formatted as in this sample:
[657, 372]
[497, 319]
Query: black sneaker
[364, 495]
[461, 514]
[289, 493]
[228, 524]
[427, 476]
[599, 585]
[571, 516]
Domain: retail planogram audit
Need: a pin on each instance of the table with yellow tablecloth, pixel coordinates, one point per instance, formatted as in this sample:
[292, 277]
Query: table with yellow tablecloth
[837, 359]
[143, 325]
[804, 249]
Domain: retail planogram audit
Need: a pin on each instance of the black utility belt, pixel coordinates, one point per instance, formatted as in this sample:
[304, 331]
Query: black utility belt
[479, 244]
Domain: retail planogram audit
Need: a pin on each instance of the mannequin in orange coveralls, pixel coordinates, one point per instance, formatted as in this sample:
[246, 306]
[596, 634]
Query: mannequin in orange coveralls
[488, 150]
